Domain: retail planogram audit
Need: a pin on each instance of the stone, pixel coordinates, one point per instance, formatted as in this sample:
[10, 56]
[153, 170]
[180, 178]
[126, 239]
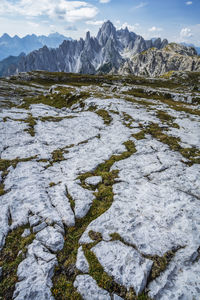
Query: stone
[26, 232]
[39, 227]
[124, 264]
[51, 238]
[81, 262]
[94, 180]
[89, 289]
[34, 220]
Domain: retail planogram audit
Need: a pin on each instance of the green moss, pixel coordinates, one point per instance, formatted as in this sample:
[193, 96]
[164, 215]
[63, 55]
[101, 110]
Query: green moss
[164, 117]
[57, 155]
[31, 124]
[104, 115]
[10, 259]
[71, 200]
[128, 120]
[65, 99]
[140, 135]
[160, 263]
[55, 119]
[167, 74]
[95, 236]
[105, 281]
[140, 102]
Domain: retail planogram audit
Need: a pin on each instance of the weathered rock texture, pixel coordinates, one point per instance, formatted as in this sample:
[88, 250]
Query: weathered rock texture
[125, 144]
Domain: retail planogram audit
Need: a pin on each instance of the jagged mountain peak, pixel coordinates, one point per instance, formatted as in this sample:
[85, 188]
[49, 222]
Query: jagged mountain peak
[107, 31]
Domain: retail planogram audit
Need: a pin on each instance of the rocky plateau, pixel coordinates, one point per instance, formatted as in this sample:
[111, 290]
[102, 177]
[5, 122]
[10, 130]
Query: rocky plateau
[99, 185]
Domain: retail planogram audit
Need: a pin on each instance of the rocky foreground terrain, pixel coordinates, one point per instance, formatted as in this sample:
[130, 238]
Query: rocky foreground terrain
[99, 185]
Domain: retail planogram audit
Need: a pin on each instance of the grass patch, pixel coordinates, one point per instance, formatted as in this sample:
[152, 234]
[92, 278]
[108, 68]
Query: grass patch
[104, 115]
[139, 136]
[10, 259]
[128, 120]
[31, 124]
[64, 99]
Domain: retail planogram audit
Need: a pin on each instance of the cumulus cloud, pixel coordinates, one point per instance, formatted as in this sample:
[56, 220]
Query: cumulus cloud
[185, 33]
[155, 29]
[96, 23]
[104, 1]
[130, 27]
[188, 3]
[62, 9]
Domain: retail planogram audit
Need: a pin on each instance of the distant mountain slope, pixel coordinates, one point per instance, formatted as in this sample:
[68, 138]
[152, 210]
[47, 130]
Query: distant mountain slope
[9, 64]
[104, 53]
[192, 45]
[16, 45]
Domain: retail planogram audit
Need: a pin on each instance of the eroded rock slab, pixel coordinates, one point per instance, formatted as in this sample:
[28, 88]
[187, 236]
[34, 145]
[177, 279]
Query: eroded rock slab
[124, 263]
[89, 289]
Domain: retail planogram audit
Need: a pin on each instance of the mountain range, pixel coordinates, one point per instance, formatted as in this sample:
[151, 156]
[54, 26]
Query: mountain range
[14, 46]
[111, 51]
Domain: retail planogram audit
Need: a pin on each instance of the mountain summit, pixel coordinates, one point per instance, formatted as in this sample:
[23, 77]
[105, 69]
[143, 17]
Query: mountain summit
[111, 51]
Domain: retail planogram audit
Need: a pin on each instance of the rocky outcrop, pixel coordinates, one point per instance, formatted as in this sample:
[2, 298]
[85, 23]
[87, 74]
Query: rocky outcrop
[155, 62]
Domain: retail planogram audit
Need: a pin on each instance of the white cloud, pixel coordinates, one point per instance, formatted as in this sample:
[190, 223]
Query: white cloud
[155, 29]
[130, 27]
[33, 24]
[185, 33]
[62, 9]
[140, 5]
[104, 1]
[190, 35]
[96, 23]
[188, 3]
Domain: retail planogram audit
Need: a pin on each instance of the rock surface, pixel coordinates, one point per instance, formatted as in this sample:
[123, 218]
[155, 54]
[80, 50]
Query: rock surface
[89, 289]
[140, 152]
[155, 62]
[82, 263]
[124, 264]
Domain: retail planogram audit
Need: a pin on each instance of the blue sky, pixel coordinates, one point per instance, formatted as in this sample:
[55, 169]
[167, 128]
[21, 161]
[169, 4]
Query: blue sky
[177, 20]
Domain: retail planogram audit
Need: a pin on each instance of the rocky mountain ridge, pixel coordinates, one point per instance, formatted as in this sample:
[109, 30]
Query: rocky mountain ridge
[104, 53]
[111, 51]
[155, 62]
